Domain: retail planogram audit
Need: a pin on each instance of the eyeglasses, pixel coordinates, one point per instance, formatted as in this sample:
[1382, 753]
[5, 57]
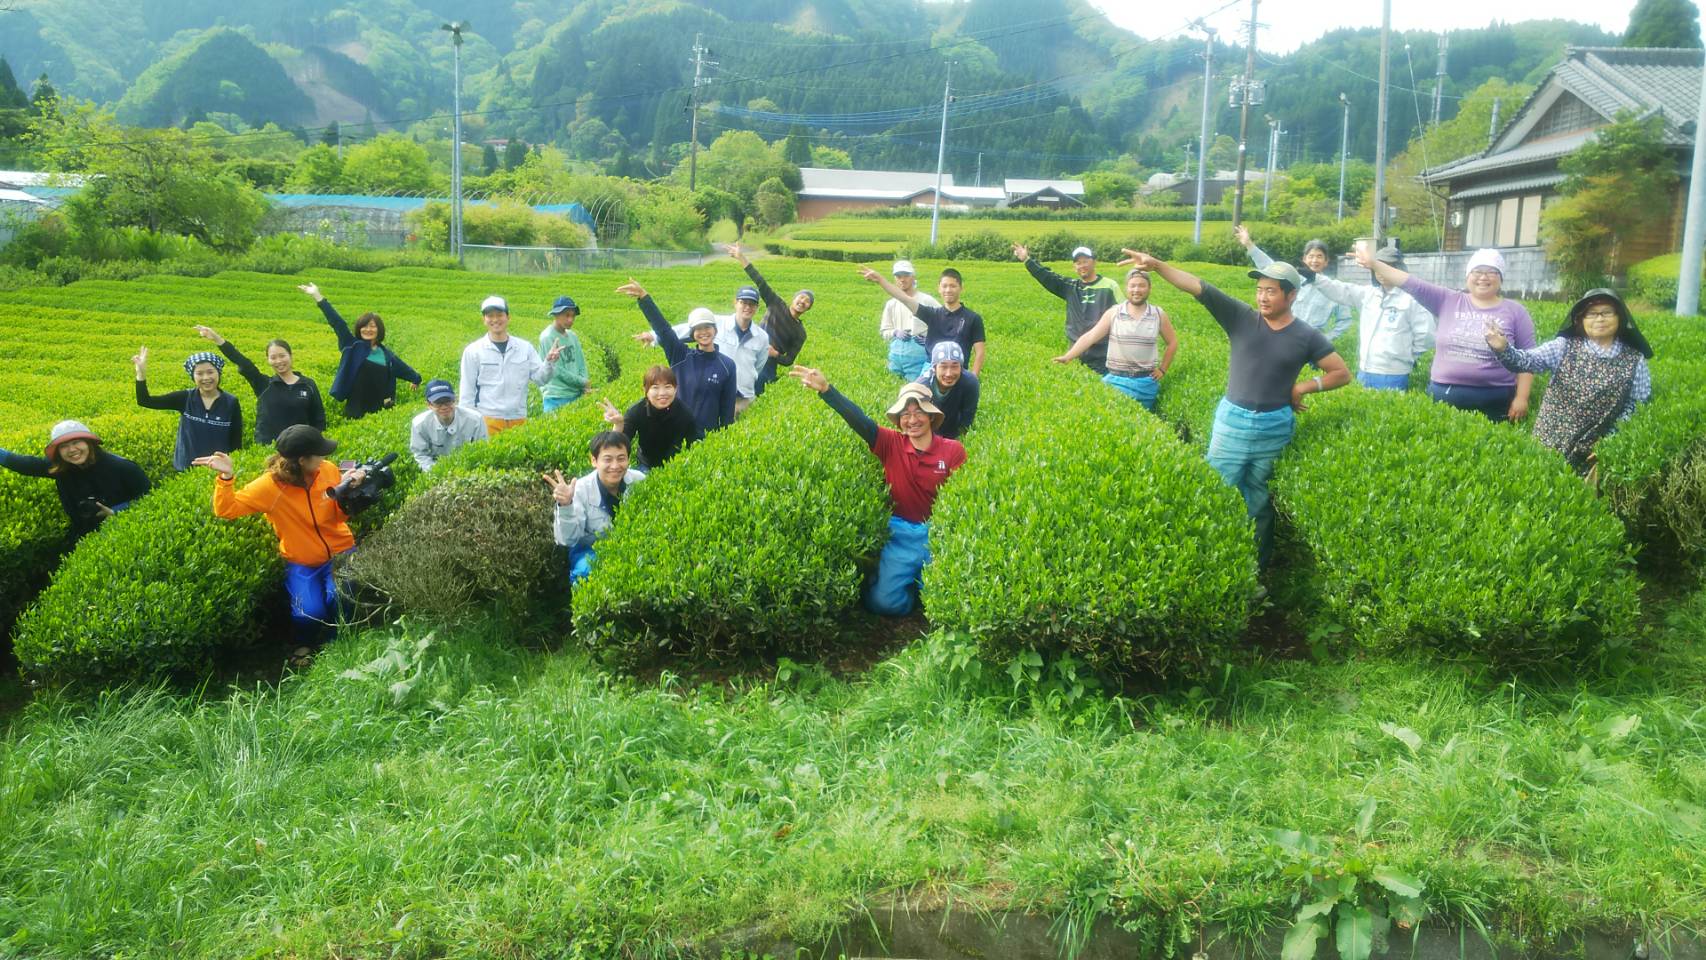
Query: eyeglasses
[1606, 313]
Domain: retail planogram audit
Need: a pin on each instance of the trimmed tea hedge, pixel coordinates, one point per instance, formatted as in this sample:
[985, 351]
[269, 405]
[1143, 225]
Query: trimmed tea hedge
[1088, 527]
[1430, 526]
[751, 540]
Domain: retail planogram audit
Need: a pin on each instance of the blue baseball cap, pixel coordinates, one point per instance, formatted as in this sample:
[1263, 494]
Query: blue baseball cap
[748, 293]
[438, 391]
[563, 303]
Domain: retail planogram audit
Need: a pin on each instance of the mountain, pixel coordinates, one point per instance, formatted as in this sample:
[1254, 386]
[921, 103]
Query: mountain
[1038, 90]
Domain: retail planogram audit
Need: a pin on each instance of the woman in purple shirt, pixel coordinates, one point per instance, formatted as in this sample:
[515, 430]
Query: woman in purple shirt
[1466, 373]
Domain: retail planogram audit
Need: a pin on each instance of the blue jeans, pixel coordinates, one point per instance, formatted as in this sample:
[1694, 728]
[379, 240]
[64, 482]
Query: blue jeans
[1494, 403]
[1142, 389]
[313, 601]
[1243, 449]
[1384, 381]
[580, 564]
[553, 404]
[908, 358]
[899, 568]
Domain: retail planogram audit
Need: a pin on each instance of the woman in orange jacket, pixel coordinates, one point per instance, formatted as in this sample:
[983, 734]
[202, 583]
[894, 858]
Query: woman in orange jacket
[294, 494]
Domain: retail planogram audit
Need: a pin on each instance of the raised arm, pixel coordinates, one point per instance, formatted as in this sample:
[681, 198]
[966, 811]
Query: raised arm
[771, 300]
[863, 425]
[333, 318]
[23, 463]
[673, 349]
[1258, 256]
[1090, 337]
[1186, 282]
[900, 296]
[1052, 282]
[251, 373]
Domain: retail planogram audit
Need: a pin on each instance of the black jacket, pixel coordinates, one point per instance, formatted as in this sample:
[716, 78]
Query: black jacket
[110, 480]
[278, 404]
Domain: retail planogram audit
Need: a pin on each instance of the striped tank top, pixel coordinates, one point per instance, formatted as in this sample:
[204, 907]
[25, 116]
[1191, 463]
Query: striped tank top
[1132, 341]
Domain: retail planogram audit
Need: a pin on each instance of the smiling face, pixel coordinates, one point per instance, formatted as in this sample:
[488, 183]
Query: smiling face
[914, 422]
[802, 303]
[1137, 289]
[1600, 321]
[75, 452]
[279, 359]
[949, 288]
[744, 310]
[906, 282]
[1315, 259]
[1485, 283]
[612, 465]
[660, 395]
[1085, 267]
[497, 324]
[206, 377]
[705, 336]
[367, 330]
[948, 373]
[445, 410]
[1272, 300]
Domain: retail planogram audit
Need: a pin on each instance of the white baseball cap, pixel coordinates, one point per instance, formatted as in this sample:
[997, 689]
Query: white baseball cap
[494, 303]
[1083, 252]
[699, 317]
[903, 266]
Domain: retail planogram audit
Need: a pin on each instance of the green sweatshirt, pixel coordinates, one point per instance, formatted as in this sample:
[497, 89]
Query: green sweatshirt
[568, 377]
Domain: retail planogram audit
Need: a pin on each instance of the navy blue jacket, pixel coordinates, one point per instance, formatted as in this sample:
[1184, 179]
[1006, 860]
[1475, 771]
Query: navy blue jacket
[355, 351]
[959, 404]
[110, 479]
[705, 379]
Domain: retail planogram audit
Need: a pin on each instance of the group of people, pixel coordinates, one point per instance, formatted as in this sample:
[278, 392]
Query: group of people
[1485, 361]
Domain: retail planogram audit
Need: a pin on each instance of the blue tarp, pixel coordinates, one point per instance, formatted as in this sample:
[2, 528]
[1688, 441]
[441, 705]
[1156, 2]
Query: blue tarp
[572, 211]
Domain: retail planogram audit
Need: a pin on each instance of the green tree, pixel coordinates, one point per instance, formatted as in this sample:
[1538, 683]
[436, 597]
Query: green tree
[389, 163]
[796, 149]
[1663, 23]
[830, 158]
[1222, 154]
[162, 181]
[488, 159]
[739, 161]
[515, 152]
[587, 140]
[1453, 139]
[330, 136]
[773, 204]
[1616, 184]
[318, 170]
[1109, 188]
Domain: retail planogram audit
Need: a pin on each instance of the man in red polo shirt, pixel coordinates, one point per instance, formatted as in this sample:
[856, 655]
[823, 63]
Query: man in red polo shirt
[916, 462]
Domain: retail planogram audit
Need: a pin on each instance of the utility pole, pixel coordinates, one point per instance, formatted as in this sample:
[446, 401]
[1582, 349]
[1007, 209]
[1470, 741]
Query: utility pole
[699, 80]
[1274, 133]
[455, 31]
[1202, 149]
[980, 168]
[1493, 123]
[1249, 95]
[1439, 76]
[1344, 150]
[1380, 123]
[1694, 222]
[941, 151]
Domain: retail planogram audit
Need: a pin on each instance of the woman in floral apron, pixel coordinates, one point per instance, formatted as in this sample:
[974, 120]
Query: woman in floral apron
[1599, 373]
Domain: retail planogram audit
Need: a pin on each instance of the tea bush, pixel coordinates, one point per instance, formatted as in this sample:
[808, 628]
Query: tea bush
[1431, 526]
[1098, 533]
[470, 540]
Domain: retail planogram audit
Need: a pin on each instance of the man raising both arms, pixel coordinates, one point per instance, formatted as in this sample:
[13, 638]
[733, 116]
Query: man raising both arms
[1255, 419]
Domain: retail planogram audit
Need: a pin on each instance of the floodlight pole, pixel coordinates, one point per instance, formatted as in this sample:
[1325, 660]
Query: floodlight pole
[1380, 124]
[1344, 151]
[455, 31]
[941, 151]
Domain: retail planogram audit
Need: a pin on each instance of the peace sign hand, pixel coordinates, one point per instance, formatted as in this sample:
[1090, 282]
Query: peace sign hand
[612, 415]
[1139, 259]
[208, 333]
[562, 490]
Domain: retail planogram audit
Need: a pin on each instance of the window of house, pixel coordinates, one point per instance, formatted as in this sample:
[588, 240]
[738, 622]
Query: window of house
[1528, 221]
[1505, 232]
[1478, 231]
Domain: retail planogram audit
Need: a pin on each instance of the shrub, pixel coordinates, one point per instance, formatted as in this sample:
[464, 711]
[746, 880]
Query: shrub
[165, 584]
[1654, 281]
[473, 539]
[1100, 535]
[750, 541]
[1456, 534]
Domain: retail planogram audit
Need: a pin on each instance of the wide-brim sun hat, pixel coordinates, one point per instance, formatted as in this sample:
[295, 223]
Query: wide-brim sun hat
[920, 394]
[66, 430]
[1626, 329]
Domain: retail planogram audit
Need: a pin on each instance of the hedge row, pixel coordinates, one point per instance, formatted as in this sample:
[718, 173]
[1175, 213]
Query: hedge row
[1168, 214]
[1098, 532]
[752, 540]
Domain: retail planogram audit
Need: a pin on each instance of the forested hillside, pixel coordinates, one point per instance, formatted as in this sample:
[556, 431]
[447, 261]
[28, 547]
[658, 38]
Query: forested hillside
[1038, 90]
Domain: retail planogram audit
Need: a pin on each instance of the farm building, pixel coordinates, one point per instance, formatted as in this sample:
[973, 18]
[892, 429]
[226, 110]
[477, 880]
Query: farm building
[1494, 198]
[825, 191]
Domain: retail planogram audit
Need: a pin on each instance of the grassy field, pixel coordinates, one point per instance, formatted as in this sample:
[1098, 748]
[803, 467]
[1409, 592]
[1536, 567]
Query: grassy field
[434, 791]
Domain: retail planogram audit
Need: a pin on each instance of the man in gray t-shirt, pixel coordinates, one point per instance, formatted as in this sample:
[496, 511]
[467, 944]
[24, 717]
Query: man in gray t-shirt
[1255, 420]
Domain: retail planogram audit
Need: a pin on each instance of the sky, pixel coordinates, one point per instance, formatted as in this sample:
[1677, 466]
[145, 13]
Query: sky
[1292, 23]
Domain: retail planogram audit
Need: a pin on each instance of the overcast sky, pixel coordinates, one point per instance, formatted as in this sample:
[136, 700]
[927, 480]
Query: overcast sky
[1291, 23]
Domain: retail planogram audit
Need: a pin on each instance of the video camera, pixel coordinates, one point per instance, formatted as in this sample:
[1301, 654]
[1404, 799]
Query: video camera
[354, 499]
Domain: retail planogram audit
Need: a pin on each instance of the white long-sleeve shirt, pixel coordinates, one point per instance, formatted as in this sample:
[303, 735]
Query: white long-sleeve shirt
[1393, 330]
[581, 521]
[898, 320]
[494, 383]
[431, 441]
